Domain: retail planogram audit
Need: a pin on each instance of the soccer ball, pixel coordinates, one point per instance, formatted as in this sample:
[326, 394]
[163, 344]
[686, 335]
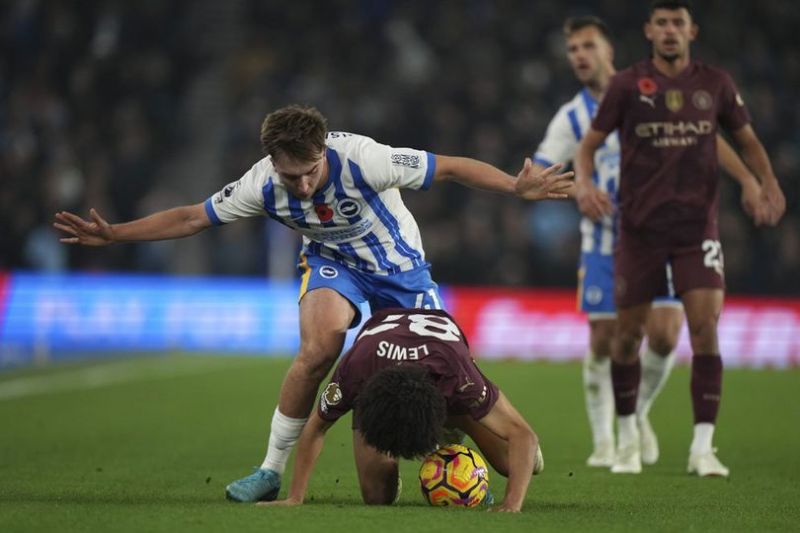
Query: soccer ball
[454, 475]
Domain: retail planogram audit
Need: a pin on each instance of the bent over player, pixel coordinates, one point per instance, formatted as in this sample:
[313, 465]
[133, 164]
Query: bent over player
[407, 377]
[667, 111]
[360, 242]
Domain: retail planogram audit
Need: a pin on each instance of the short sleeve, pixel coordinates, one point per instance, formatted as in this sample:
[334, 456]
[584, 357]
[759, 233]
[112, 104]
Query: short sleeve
[467, 390]
[384, 167]
[559, 143]
[733, 114]
[336, 399]
[609, 114]
[242, 198]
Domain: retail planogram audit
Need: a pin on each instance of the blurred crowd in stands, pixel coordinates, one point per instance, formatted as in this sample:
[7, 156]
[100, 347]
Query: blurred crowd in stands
[99, 101]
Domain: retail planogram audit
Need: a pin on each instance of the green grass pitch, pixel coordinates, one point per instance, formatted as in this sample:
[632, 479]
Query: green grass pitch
[148, 444]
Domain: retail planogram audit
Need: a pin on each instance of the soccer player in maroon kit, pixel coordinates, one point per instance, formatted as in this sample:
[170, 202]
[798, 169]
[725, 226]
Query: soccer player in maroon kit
[590, 55]
[408, 378]
[667, 110]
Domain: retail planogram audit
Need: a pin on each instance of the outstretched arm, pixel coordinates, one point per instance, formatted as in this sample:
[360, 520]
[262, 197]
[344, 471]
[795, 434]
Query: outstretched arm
[592, 202]
[757, 159]
[170, 224]
[505, 421]
[480, 175]
[308, 448]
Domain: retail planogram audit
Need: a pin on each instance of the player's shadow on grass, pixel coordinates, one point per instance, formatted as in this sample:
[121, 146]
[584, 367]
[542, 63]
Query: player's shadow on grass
[538, 506]
[113, 499]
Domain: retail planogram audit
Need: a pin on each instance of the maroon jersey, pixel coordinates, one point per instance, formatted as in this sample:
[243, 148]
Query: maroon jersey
[667, 127]
[424, 337]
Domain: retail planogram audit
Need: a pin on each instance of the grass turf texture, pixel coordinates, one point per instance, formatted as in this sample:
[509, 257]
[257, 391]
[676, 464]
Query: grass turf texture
[149, 445]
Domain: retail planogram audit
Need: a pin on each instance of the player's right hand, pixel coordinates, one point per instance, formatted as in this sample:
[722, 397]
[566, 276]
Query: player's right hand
[592, 202]
[95, 233]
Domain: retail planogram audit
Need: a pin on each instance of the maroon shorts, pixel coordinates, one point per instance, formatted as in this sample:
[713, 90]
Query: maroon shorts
[640, 275]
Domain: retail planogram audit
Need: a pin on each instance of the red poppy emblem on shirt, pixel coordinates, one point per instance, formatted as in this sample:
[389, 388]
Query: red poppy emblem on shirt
[324, 212]
[647, 86]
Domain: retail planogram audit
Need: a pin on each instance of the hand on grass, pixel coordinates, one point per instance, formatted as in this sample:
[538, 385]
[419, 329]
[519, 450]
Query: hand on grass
[288, 502]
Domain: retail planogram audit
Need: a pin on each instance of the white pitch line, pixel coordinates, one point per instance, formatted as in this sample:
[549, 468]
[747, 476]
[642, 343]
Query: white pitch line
[106, 374]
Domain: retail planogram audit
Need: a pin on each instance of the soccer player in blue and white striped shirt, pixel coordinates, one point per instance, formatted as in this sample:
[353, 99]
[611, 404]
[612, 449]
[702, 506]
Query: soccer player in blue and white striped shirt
[360, 243]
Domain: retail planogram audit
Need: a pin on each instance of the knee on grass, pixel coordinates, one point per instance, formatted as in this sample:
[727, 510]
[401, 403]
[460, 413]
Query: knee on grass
[379, 494]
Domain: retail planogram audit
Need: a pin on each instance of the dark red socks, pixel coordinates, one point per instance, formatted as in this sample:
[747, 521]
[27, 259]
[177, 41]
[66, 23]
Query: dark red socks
[625, 379]
[706, 387]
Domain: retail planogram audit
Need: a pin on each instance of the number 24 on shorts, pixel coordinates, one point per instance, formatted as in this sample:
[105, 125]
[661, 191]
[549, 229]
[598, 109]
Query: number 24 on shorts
[713, 258]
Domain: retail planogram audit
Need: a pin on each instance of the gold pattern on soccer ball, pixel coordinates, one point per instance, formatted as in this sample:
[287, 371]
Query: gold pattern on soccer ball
[455, 476]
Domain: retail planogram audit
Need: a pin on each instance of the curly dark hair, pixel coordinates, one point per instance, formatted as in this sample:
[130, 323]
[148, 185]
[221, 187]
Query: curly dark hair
[401, 412]
[295, 131]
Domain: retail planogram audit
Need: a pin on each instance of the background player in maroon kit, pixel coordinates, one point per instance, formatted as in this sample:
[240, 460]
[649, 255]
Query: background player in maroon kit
[409, 376]
[590, 54]
[667, 110]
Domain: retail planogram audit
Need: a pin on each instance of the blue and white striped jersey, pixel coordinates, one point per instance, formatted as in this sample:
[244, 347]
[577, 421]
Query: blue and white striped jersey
[560, 144]
[357, 218]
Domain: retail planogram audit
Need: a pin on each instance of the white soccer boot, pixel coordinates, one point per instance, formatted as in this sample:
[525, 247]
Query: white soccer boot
[648, 441]
[602, 456]
[706, 464]
[628, 460]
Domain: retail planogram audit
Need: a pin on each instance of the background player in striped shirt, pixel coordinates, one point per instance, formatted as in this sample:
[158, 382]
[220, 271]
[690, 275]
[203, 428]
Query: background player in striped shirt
[667, 110]
[360, 243]
[590, 54]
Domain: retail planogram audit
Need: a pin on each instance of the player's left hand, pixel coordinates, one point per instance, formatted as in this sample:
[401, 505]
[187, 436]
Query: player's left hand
[592, 202]
[549, 184]
[288, 502]
[773, 198]
[753, 204]
[503, 508]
